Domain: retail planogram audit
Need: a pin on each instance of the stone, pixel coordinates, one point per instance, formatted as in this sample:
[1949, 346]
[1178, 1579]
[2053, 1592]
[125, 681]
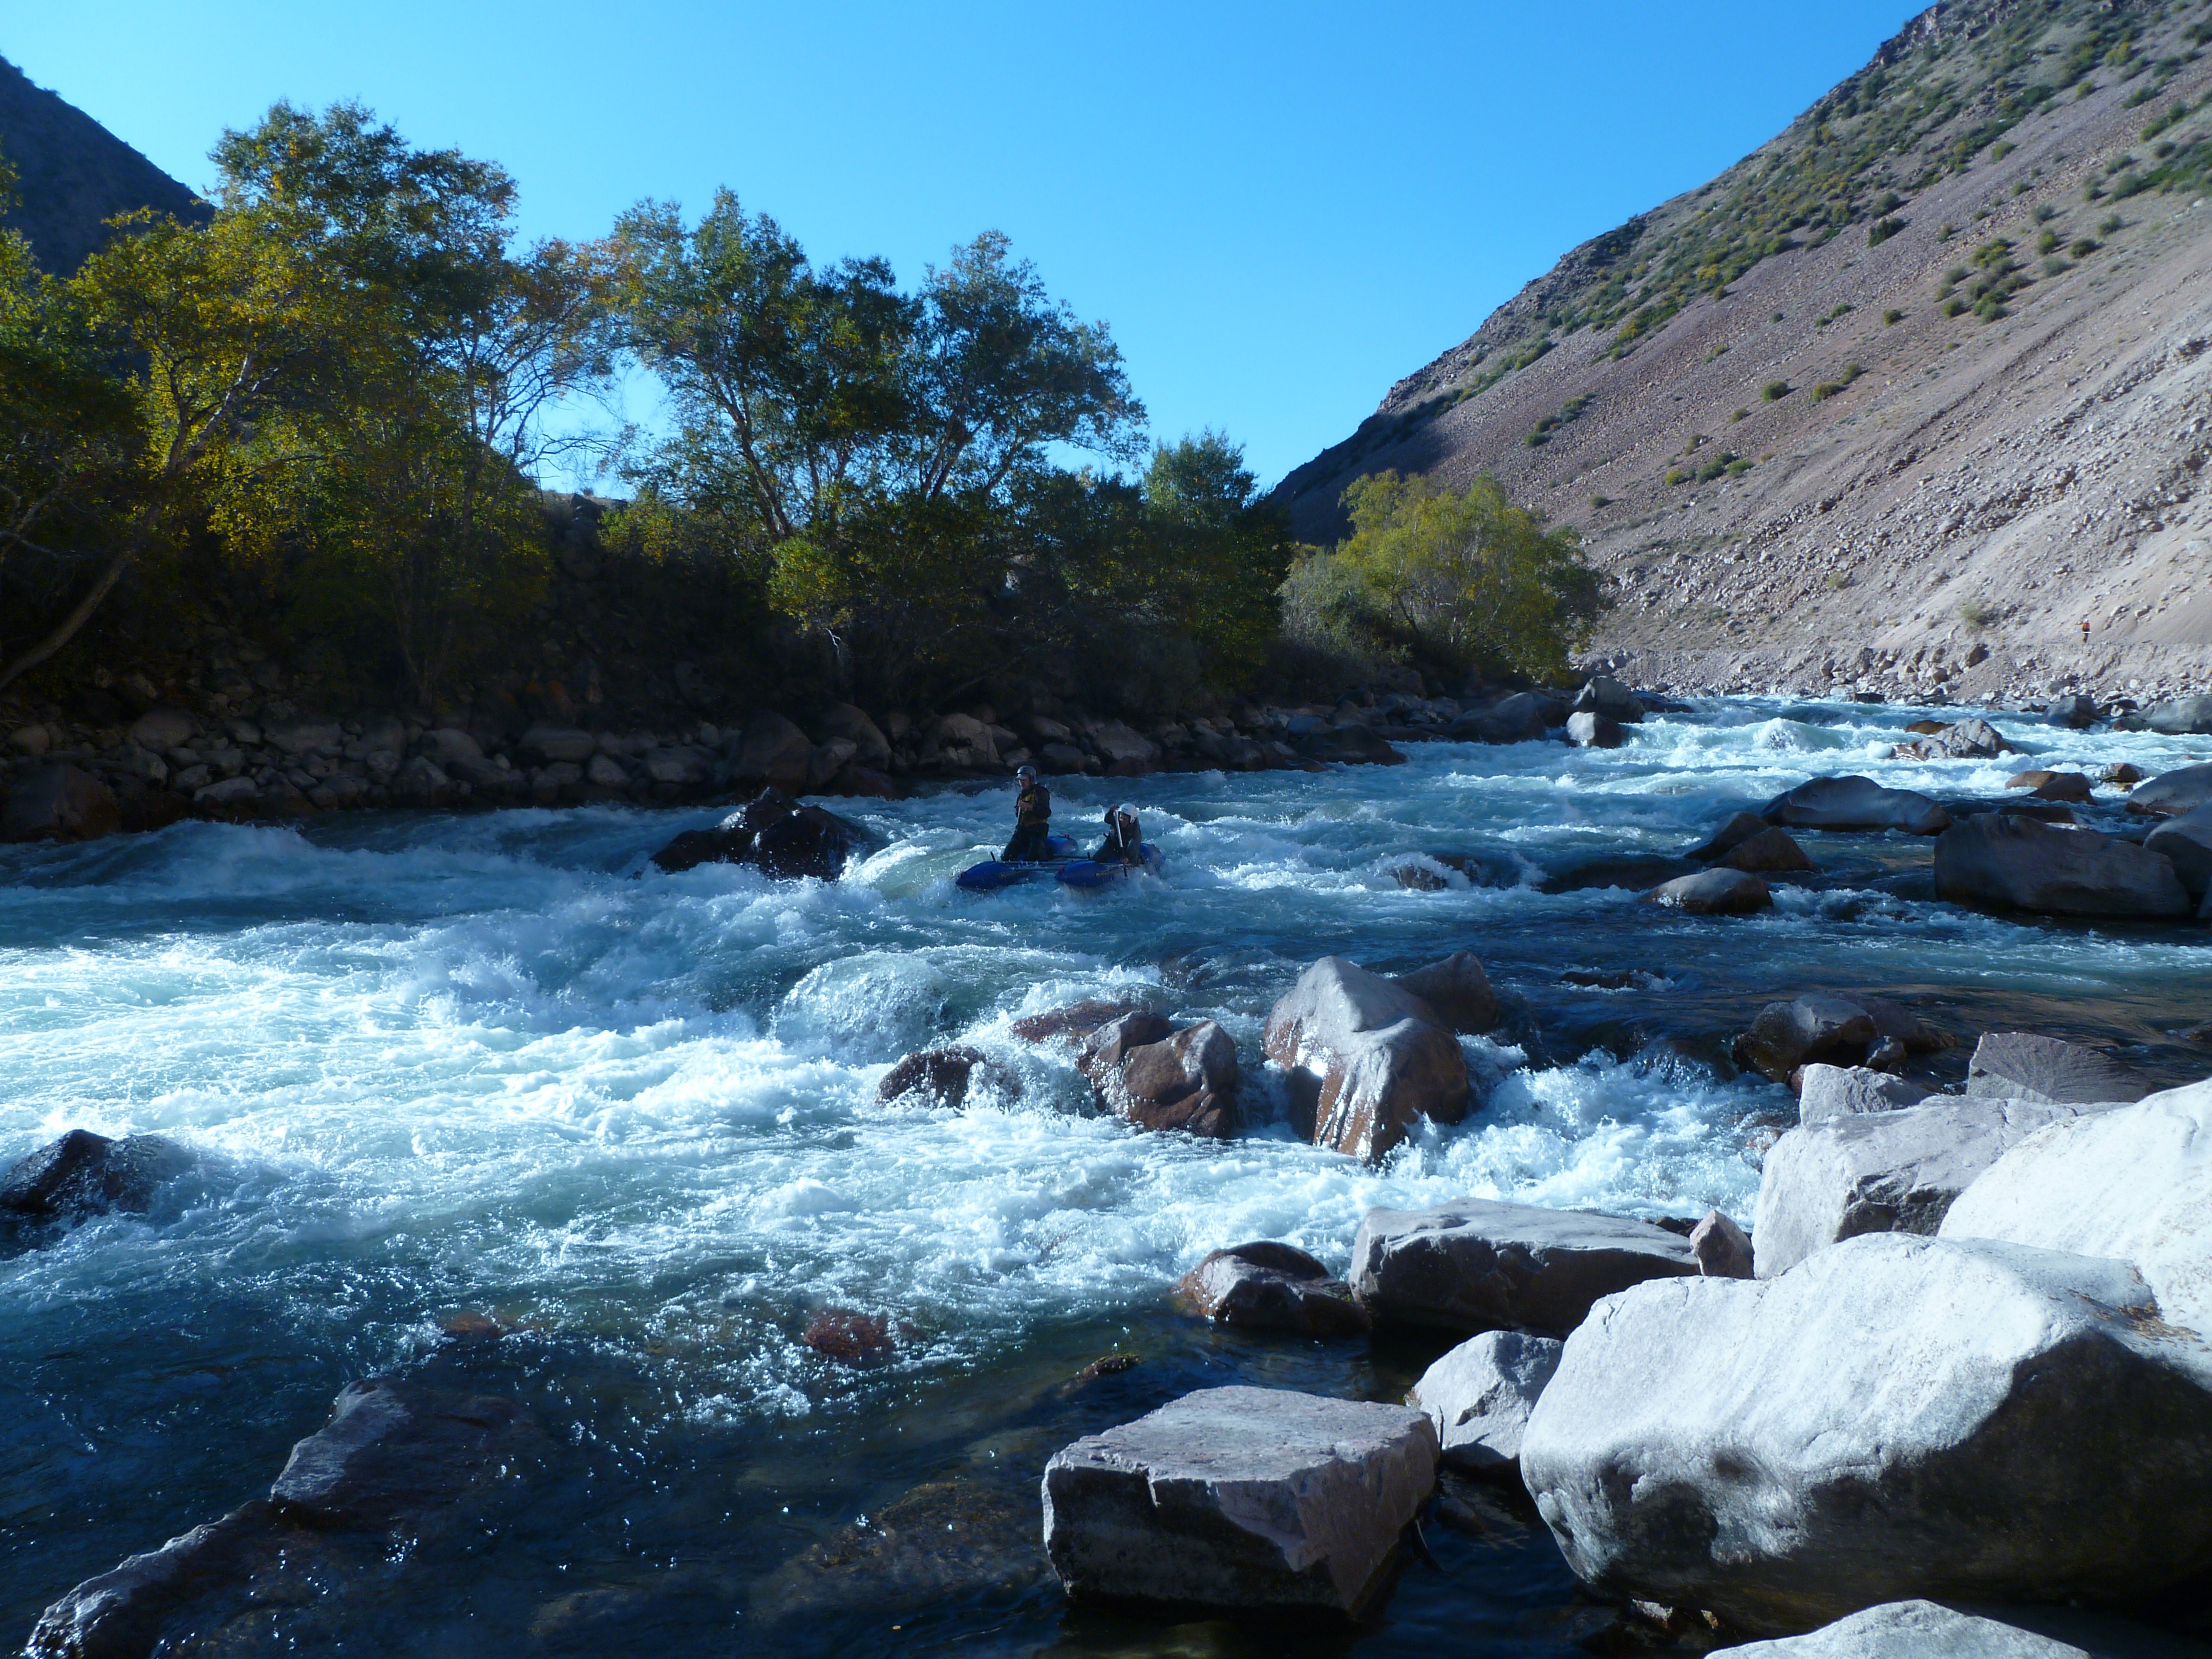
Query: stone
[448, 745]
[1475, 1265]
[1186, 1080]
[163, 729]
[1771, 850]
[1266, 1286]
[557, 744]
[1073, 1022]
[308, 734]
[1480, 1394]
[1829, 1091]
[1457, 991]
[1714, 893]
[227, 791]
[871, 748]
[2123, 773]
[1590, 731]
[1929, 1630]
[1882, 1172]
[1111, 1044]
[2075, 711]
[1856, 803]
[1998, 861]
[786, 840]
[32, 741]
[827, 761]
[849, 1337]
[1521, 717]
[118, 1613]
[1241, 1498]
[1819, 1025]
[1895, 1417]
[58, 802]
[1120, 746]
[2181, 717]
[1968, 740]
[604, 771]
[2027, 1065]
[771, 750]
[1730, 835]
[82, 1175]
[2171, 793]
[1350, 745]
[1721, 1247]
[1608, 698]
[392, 1449]
[1061, 759]
[942, 1076]
[2184, 841]
[1367, 1058]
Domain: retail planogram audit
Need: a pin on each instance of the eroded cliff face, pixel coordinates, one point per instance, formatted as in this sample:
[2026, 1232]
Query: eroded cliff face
[1835, 464]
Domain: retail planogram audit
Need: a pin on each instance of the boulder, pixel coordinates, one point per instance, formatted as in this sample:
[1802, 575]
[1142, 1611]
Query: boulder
[2123, 774]
[1475, 1265]
[392, 1449]
[80, 1176]
[58, 802]
[1265, 1286]
[783, 839]
[770, 750]
[1882, 1172]
[2025, 1066]
[1589, 730]
[942, 1077]
[1074, 1022]
[871, 748]
[2171, 793]
[827, 761]
[1367, 1058]
[2075, 711]
[1819, 1025]
[2181, 717]
[448, 746]
[1186, 1080]
[1829, 1091]
[1856, 803]
[308, 734]
[1770, 851]
[163, 729]
[555, 743]
[1124, 748]
[2001, 860]
[1479, 1396]
[1608, 698]
[1457, 992]
[1968, 740]
[1521, 718]
[1714, 893]
[1721, 1247]
[1350, 745]
[1730, 835]
[1241, 1498]
[1929, 1630]
[2185, 843]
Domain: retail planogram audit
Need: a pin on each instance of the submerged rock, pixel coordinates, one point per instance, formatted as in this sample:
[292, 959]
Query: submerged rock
[1474, 1265]
[1479, 1396]
[849, 1337]
[2008, 861]
[80, 1176]
[778, 835]
[1367, 1058]
[942, 1076]
[1268, 1286]
[1856, 803]
[1241, 1498]
[1720, 892]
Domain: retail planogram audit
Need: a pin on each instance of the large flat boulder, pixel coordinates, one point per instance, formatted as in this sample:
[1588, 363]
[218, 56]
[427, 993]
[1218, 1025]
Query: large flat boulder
[1856, 803]
[1241, 1498]
[770, 750]
[2180, 717]
[2184, 841]
[59, 802]
[1929, 1630]
[1475, 1265]
[1524, 717]
[1852, 1092]
[2027, 1065]
[2006, 861]
[1896, 1417]
[1481, 1395]
[1897, 1171]
[1268, 1286]
[2171, 793]
[1367, 1058]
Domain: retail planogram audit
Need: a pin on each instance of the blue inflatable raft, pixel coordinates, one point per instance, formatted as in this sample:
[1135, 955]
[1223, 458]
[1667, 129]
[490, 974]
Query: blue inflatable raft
[1064, 866]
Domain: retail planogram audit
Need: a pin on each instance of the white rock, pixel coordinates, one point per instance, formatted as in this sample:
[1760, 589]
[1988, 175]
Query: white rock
[1480, 1394]
[1240, 1498]
[1852, 1092]
[2025, 1066]
[1895, 1417]
[1928, 1630]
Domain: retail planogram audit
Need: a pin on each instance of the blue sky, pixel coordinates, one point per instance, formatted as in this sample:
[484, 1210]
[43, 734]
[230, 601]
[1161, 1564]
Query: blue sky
[1278, 209]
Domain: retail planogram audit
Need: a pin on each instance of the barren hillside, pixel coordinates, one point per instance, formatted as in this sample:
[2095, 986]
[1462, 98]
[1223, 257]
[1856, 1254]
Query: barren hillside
[72, 175]
[1924, 380]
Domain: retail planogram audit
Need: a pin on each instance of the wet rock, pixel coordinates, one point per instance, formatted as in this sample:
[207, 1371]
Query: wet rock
[1350, 745]
[848, 1337]
[1474, 1265]
[2004, 861]
[1772, 851]
[1895, 1417]
[2122, 773]
[1880, 1172]
[1929, 1630]
[1521, 717]
[118, 1613]
[80, 1176]
[770, 750]
[1457, 992]
[1827, 1092]
[1856, 803]
[1589, 730]
[1819, 1025]
[1720, 1248]
[58, 802]
[2053, 786]
[2185, 843]
[871, 748]
[2171, 793]
[1635, 872]
[942, 1076]
[2074, 711]
[2027, 1065]
[1241, 1498]
[1969, 739]
[1268, 1286]
[1420, 878]
[1479, 1396]
[2182, 717]
[1609, 699]
[1714, 893]
[392, 1450]
[1186, 1080]
[784, 840]
[1743, 827]
[1073, 1022]
[1367, 1058]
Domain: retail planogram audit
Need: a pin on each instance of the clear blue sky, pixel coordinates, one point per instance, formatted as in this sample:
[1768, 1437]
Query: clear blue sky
[1278, 209]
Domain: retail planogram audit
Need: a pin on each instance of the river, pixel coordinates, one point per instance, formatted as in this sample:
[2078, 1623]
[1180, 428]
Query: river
[432, 1066]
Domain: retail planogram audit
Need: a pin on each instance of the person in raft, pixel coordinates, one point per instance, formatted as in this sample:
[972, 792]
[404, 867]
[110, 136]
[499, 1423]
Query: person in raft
[1124, 842]
[1032, 821]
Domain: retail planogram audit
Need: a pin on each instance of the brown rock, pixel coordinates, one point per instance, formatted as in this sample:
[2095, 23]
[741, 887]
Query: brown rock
[1185, 1081]
[1076, 1021]
[2063, 786]
[1730, 837]
[1275, 1287]
[1717, 892]
[848, 1337]
[1457, 991]
[1769, 850]
[1721, 1249]
[1367, 1058]
[942, 1077]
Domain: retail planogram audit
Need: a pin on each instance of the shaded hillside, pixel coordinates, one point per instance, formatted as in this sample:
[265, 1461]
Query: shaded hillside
[73, 174]
[1927, 372]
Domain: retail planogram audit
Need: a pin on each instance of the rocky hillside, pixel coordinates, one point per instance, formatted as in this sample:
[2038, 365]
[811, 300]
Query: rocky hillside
[73, 174]
[1924, 380]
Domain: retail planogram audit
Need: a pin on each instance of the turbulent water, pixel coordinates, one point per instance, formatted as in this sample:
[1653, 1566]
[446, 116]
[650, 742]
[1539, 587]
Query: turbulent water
[433, 1066]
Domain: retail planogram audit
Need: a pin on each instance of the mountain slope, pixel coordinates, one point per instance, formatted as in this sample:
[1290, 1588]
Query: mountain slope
[73, 173]
[1925, 377]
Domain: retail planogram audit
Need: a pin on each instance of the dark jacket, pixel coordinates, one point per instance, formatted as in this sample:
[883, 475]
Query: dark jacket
[1033, 806]
[1119, 847]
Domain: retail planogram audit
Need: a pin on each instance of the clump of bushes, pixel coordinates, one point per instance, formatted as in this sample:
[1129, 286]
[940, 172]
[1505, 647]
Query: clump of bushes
[1774, 390]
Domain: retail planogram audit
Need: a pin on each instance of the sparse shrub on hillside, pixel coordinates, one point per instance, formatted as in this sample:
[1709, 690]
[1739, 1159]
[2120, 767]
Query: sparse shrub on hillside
[2047, 243]
[1976, 613]
[1839, 580]
[1601, 501]
[2139, 97]
[1947, 233]
[1955, 306]
[1840, 311]
[1741, 414]
[1829, 389]
[2055, 266]
[1882, 229]
[1890, 317]
[1675, 475]
[2082, 246]
[1738, 467]
[2002, 148]
[1774, 390]
[2045, 213]
[1570, 411]
[2111, 225]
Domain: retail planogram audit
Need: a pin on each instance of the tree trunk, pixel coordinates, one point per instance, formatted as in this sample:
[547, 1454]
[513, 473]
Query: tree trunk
[66, 629]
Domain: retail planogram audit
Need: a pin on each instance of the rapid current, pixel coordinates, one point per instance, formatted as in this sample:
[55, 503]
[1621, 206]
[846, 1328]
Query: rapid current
[448, 1075]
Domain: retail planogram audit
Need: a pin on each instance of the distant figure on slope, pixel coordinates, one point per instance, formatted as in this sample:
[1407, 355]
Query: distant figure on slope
[2085, 630]
[1032, 821]
[1125, 842]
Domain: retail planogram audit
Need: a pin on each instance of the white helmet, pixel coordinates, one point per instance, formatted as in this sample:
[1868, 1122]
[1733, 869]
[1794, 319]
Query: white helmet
[1125, 811]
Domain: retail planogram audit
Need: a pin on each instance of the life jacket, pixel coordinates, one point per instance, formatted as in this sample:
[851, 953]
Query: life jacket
[1033, 806]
